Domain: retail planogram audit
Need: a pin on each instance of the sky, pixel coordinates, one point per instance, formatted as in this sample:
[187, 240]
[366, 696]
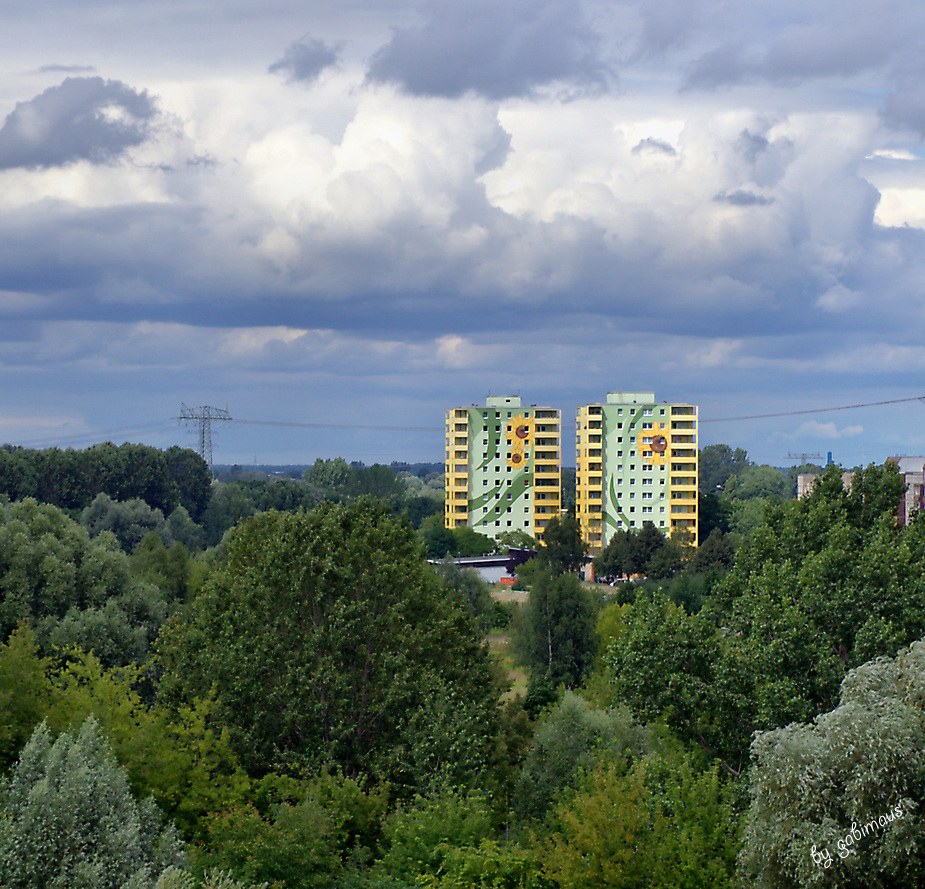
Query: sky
[350, 216]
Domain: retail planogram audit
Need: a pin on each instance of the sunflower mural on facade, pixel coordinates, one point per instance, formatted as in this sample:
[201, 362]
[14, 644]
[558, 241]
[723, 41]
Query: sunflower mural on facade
[652, 444]
[519, 436]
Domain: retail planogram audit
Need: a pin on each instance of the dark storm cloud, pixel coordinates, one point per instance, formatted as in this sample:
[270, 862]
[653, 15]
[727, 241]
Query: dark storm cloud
[84, 118]
[66, 69]
[653, 146]
[305, 60]
[832, 42]
[905, 109]
[720, 66]
[498, 50]
[743, 199]
[752, 145]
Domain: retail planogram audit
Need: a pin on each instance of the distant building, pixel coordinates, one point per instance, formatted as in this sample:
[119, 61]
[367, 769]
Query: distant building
[806, 481]
[636, 462]
[912, 470]
[503, 467]
[493, 569]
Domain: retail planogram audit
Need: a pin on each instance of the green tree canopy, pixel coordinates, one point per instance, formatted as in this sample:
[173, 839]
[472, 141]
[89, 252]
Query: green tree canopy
[851, 767]
[566, 743]
[556, 630]
[129, 521]
[658, 821]
[563, 549]
[69, 819]
[823, 585]
[330, 641]
[717, 463]
[72, 590]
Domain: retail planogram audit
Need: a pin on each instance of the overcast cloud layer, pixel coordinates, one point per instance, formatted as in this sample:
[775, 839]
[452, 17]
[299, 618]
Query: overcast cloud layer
[363, 215]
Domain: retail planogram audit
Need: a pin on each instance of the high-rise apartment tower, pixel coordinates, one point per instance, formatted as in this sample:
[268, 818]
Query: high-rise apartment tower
[503, 467]
[636, 462]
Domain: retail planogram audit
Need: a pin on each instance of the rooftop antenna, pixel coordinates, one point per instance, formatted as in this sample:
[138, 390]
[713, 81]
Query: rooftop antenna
[204, 416]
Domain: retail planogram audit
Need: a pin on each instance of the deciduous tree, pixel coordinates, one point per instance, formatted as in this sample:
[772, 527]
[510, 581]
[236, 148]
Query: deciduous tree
[330, 641]
[69, 819]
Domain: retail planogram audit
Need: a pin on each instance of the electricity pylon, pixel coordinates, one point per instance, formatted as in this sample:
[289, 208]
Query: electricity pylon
[203, 416]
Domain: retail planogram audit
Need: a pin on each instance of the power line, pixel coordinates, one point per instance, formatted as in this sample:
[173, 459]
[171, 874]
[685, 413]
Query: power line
[817, 410]
[95, 435]
[341, 426]
[105, 434]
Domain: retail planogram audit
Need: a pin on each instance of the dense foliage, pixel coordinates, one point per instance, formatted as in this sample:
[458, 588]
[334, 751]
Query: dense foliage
[323, 710]
[330, 642]
[67, 819]
[72, 479]
[74, 590]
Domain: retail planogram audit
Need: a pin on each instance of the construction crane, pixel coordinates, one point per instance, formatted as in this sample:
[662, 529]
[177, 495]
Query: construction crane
[802, 459]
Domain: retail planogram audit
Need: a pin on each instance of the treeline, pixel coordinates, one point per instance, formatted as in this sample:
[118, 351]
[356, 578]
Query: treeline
[72, 479]
[132, 490]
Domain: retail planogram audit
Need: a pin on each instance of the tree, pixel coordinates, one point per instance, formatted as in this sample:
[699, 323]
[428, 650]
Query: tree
[129, 521]
[25, 692]
[844, 786]
[439, 541]
[821, 586]
[167, 569]
[563, 549]
[17, 475]
[70, 820]
[193, 478]
[331, 825]
[182, 759]
[663, 664]
[714, 512]
[330, 476]
[566, 744]
[715, 550]
[472, 592]
[556, 633]
[517, 540]
[717, 463]
[70, 589]
[659, 821]
[331, 642]
[639, 551]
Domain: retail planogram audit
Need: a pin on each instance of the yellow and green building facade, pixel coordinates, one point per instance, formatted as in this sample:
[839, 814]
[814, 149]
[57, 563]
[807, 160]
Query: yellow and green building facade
[503, 467]
[636, 462]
